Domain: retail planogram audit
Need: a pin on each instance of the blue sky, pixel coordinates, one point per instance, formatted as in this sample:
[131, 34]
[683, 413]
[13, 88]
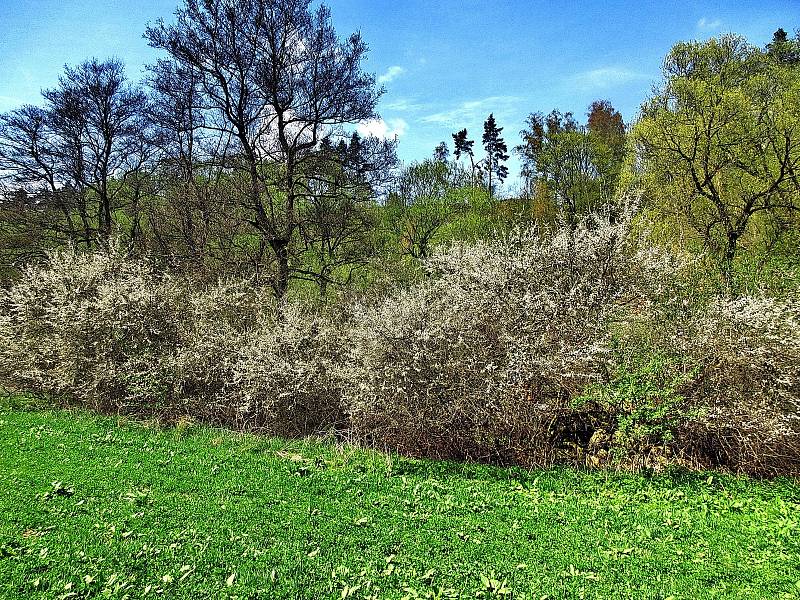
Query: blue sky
[446, 64]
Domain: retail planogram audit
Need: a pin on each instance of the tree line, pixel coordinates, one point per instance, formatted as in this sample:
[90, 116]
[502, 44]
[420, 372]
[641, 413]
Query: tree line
[237, 155]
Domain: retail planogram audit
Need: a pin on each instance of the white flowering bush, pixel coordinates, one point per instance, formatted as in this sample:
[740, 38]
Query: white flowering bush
[582, 345]
[90, 326]
[284, 377]
[108, 331]
[212, 326]
[482, 360]
[748, 386]
[715, 383]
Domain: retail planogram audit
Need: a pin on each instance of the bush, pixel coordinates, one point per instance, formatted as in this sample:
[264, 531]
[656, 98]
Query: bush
[585, 346]
[107, 331]
[481, 361]
[730, 367]
[212, 325]
[749, 385]
[284, 377]
[90, 326]
[637, 412]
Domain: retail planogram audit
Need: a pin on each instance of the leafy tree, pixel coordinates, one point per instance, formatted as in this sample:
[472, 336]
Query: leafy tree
[339, 221]
[719, 141]
[275, 79]
[573, 165]
[605, 123]
[496, 152]
[541, 130]
[426, 198]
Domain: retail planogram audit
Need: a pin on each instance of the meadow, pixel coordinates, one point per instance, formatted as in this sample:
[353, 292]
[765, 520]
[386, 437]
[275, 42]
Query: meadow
[98, 507]
[246, 351]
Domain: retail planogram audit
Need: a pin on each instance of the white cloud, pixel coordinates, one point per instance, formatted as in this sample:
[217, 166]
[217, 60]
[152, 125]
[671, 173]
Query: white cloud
[604, 77]
[391, 74]
[709, 24]
[402, 105]
[473, 110]
[383, 129]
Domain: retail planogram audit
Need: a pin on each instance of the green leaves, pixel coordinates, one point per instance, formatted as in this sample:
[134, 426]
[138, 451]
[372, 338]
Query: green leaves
[493, 587]
[718, 141]
[58, 489]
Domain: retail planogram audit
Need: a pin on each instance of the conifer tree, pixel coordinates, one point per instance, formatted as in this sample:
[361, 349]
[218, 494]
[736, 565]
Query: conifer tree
[496, 152]
[441, 153]
[463, 145]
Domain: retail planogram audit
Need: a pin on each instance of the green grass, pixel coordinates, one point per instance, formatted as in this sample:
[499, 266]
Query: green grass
[94, 507]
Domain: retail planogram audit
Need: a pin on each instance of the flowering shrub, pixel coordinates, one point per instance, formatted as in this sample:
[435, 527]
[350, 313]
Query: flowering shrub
[582, 346]
[108, 331]
[749, 350]
[211, 326]
[284, 374]
[482, 360]
[90, 326]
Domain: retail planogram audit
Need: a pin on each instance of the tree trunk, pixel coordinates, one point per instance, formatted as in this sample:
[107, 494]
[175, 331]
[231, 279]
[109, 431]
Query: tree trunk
[489, 167]
[727, 262]
[281, 249]
[105, 219]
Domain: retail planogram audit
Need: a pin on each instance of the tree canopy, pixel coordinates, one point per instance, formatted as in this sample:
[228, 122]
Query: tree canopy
[274, 79]
[719, 141]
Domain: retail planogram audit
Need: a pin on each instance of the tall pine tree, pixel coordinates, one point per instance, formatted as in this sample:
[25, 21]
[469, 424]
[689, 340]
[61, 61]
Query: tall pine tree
[463, 145]
[496, 152]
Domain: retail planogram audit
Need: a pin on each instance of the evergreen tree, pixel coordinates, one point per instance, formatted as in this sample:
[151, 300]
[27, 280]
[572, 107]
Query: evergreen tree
[441, 153]
[463, 145]
[496, 152]
[784, 50]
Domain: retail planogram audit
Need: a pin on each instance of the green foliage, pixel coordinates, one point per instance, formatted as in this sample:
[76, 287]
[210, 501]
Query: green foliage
[478, 219]
[576, 167]
[718, 143]
[96, 508]
[496, 153]
[429, 195]
[644, 402]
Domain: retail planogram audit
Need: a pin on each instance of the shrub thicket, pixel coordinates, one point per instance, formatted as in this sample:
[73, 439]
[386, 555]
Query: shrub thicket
[580, 346]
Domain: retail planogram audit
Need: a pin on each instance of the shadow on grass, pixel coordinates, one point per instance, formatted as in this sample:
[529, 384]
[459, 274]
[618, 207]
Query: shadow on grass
[556, 477]
[564, 478]
[26, 402]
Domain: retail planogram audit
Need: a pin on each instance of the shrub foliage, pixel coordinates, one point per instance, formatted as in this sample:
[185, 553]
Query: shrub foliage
[582, 346]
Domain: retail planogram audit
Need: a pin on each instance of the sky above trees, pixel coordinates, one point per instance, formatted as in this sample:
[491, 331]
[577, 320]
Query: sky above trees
[445, 65]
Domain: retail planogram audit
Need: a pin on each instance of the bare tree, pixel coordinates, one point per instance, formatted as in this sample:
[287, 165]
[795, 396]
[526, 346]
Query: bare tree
[33, 169]
[101, 141]
[77, 160]
[276, 79]
[192, 220]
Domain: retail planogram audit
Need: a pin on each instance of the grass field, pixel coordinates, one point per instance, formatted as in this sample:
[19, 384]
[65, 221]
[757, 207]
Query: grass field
[94, 507]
